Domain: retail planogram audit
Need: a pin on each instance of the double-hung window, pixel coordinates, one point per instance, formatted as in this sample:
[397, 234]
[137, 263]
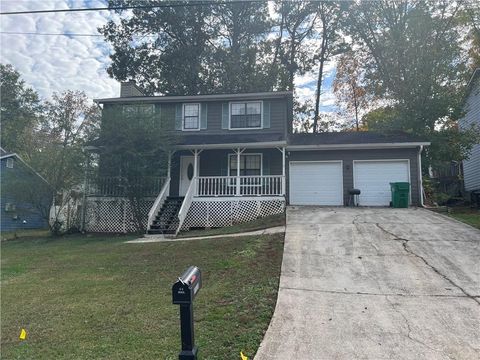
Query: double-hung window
[139, 109]
[250, 165]
[246, 115]
[191, 116]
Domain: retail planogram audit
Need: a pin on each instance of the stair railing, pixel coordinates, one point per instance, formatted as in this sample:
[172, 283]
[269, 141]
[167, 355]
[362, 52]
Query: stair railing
[187, 201]
[157, 205]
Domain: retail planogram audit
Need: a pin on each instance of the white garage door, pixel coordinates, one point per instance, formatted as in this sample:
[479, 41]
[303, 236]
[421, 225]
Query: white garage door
[373, 178]
[316, 183]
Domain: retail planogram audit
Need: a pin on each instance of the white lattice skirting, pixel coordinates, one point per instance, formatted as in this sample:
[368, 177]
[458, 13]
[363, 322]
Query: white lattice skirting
[226, 212]
[113, 214]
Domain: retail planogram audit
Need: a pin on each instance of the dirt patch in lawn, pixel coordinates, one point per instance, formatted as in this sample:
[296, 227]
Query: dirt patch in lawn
[258, 224]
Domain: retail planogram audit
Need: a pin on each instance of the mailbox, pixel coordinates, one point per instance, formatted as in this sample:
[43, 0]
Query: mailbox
[187, 286]
[184, 291]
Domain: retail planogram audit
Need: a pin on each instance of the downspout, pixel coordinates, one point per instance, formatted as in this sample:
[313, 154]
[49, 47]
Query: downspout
[420, 149]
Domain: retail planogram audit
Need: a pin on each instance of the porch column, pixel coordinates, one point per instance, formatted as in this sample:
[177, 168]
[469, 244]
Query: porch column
[169, 172]
[238, 172]
[195, 169]
[283, 171]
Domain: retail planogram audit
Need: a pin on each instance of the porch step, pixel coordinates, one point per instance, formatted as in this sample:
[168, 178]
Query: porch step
[166, 221]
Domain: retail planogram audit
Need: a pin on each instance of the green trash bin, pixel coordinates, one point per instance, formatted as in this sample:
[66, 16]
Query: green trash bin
[400, 194]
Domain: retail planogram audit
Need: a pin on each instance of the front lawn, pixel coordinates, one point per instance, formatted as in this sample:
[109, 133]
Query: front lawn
[84, 297]
[258, 224]
[467, 215]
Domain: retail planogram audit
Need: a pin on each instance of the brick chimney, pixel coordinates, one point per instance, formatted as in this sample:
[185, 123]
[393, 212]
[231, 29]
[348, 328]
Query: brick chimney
[129, 89]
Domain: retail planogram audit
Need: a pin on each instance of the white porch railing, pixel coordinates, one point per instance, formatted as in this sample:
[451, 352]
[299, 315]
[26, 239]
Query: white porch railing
[158, 202]
[268, 185]
[187, 201]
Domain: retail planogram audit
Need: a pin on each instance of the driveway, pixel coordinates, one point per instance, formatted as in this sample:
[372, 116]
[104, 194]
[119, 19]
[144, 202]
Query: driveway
[376, 283]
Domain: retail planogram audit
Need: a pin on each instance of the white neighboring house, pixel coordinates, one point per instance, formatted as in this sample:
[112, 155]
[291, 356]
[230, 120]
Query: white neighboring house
[471, 166]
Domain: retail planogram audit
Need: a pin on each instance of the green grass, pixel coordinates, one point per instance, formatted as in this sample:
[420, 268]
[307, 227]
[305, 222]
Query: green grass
[258, 224]
[18, 234]
[466, 215]
[83, 297]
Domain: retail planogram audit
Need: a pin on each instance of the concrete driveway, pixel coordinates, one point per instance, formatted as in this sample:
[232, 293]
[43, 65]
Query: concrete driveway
[376, 283]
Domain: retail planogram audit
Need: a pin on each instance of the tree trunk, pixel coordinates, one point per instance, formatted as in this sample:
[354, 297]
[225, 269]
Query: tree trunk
[137, 213]
[279, 40]
[323, 51]
[355, 104]
[291, 70]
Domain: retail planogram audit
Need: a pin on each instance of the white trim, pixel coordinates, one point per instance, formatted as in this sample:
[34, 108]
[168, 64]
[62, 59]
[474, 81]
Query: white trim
[316, 161]
[243, 154]
[385, 160]
[355, 146]
[157, 204]
[236, 198]
[256, 145]
[183, 98]
[230, 103]
[28, 166]
[477, 70]
[136, 108]
[199, 116]
[180, 171]
[420, 178]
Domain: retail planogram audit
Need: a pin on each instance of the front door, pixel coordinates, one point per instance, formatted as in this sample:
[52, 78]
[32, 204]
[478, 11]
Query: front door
[187, 172]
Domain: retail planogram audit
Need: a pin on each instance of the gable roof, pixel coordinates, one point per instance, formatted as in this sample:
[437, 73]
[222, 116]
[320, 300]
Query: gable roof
[4, 152]
[182, 98]
[5, 155]
[357, 140]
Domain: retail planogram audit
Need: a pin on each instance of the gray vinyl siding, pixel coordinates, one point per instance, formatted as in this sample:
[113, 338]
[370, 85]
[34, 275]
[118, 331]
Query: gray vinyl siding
[347, 156]
[471, 166]
[215, 163]
[278, 119]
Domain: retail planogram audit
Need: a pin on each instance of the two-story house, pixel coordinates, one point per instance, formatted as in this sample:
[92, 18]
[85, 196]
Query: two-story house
[238, 159]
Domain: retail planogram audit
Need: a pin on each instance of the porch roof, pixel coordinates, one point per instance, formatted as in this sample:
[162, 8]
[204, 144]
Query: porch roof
[228, 141]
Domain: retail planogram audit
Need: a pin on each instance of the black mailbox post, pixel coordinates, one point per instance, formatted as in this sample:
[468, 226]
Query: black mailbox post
[183, 293]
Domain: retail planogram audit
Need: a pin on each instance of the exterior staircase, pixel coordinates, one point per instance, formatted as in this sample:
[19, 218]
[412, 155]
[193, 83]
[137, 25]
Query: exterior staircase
[166, 221]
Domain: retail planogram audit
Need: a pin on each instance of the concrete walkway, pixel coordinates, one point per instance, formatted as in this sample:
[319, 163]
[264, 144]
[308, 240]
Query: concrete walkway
[376, 284]
[161, 238]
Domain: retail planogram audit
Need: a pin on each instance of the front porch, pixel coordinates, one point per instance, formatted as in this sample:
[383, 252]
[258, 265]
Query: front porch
[220, 187]
[228, 172]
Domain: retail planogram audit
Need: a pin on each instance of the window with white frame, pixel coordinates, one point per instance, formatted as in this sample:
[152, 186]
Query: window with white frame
[246, 115]
[138, 109]
[250, 165]
[191, 116]
[10, 163]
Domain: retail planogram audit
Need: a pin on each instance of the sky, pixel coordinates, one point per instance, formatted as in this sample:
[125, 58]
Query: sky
[57, 63]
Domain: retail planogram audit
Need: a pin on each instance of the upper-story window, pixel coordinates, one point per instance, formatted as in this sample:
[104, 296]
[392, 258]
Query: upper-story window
[191, 116]
[246, 115]
[10, 163]
[139, 109]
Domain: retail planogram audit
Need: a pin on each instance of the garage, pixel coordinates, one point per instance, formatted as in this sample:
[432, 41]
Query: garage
[373, 178]
[316, 183]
